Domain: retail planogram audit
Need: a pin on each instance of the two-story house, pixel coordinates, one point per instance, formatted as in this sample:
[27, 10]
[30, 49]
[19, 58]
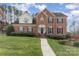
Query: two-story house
[43, 23]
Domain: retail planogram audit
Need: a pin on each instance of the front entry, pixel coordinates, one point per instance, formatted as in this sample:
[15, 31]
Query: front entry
[42, 30]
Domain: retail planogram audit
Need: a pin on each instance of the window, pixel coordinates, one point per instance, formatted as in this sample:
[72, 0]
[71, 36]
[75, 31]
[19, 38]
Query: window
[30, 29]
[16, 21]
[25, 20]
[21, 29]
[33, 21]
[50, 20]
[60, 30]
[59, 20]
[50, 30]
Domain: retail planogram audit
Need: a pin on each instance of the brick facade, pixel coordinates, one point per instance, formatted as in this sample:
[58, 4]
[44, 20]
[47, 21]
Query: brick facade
[41, 26]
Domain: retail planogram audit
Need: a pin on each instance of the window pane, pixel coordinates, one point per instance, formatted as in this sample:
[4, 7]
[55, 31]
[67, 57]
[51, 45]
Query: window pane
[21, 29]
[49, 19]
[60, 30]
[25, 20]
[30, 29]
[50, 30]
[59, 20]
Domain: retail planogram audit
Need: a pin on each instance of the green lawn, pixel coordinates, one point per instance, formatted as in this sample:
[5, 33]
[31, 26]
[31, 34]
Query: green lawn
[63, 50]
[15, 46]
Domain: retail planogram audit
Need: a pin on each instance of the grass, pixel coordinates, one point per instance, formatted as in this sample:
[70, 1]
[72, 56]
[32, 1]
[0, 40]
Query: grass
[63, 50]
[19, 46]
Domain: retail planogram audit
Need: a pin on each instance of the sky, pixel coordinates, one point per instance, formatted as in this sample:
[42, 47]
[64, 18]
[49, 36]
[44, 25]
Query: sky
[69, 9]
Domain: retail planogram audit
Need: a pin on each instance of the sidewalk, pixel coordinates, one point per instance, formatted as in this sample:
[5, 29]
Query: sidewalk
[46, 49]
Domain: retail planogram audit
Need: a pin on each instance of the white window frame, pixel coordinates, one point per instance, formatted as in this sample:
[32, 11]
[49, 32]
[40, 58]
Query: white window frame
[21, 29]
[59, 30]
[59, 20]
[25, 20]
[50, 31]
[30, 29]
[49, 19]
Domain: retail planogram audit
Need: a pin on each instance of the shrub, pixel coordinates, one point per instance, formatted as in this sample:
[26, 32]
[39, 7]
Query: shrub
[9, 29]
[76, 44]
[68, 36]
[61, 36]
[22, 34]
[57, 36]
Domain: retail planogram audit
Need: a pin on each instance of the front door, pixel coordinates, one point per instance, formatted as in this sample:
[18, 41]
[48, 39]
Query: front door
[42, 30]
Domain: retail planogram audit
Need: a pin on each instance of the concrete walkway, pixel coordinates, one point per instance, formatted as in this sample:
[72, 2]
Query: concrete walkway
[46, 49]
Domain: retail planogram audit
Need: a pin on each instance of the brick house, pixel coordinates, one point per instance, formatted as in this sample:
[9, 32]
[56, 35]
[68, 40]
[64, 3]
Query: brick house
[43, 23]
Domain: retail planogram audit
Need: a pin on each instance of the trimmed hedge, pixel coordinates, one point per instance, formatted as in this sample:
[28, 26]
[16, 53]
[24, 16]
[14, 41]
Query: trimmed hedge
[76, 44]
[57, 36]
[22, 34]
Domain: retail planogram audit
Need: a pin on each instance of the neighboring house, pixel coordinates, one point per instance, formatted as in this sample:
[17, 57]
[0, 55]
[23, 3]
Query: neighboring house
[43, 23]
[25, 18]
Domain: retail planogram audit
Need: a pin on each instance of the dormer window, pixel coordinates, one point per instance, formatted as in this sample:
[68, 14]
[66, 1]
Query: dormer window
[50, 20]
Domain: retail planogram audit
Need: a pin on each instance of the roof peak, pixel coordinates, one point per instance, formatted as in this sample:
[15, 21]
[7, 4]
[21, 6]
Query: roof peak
[54, 13]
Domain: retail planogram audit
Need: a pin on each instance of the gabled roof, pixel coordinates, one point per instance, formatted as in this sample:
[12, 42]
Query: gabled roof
[60, 14]
[44, 12]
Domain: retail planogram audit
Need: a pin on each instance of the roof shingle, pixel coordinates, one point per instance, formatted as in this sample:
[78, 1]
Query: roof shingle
[59, 14]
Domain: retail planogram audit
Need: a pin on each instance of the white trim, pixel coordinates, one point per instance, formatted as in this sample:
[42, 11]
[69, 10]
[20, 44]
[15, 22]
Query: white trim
[50, 32]
[50, 26]
[30, 29]
[39, 28]
[21, 29]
